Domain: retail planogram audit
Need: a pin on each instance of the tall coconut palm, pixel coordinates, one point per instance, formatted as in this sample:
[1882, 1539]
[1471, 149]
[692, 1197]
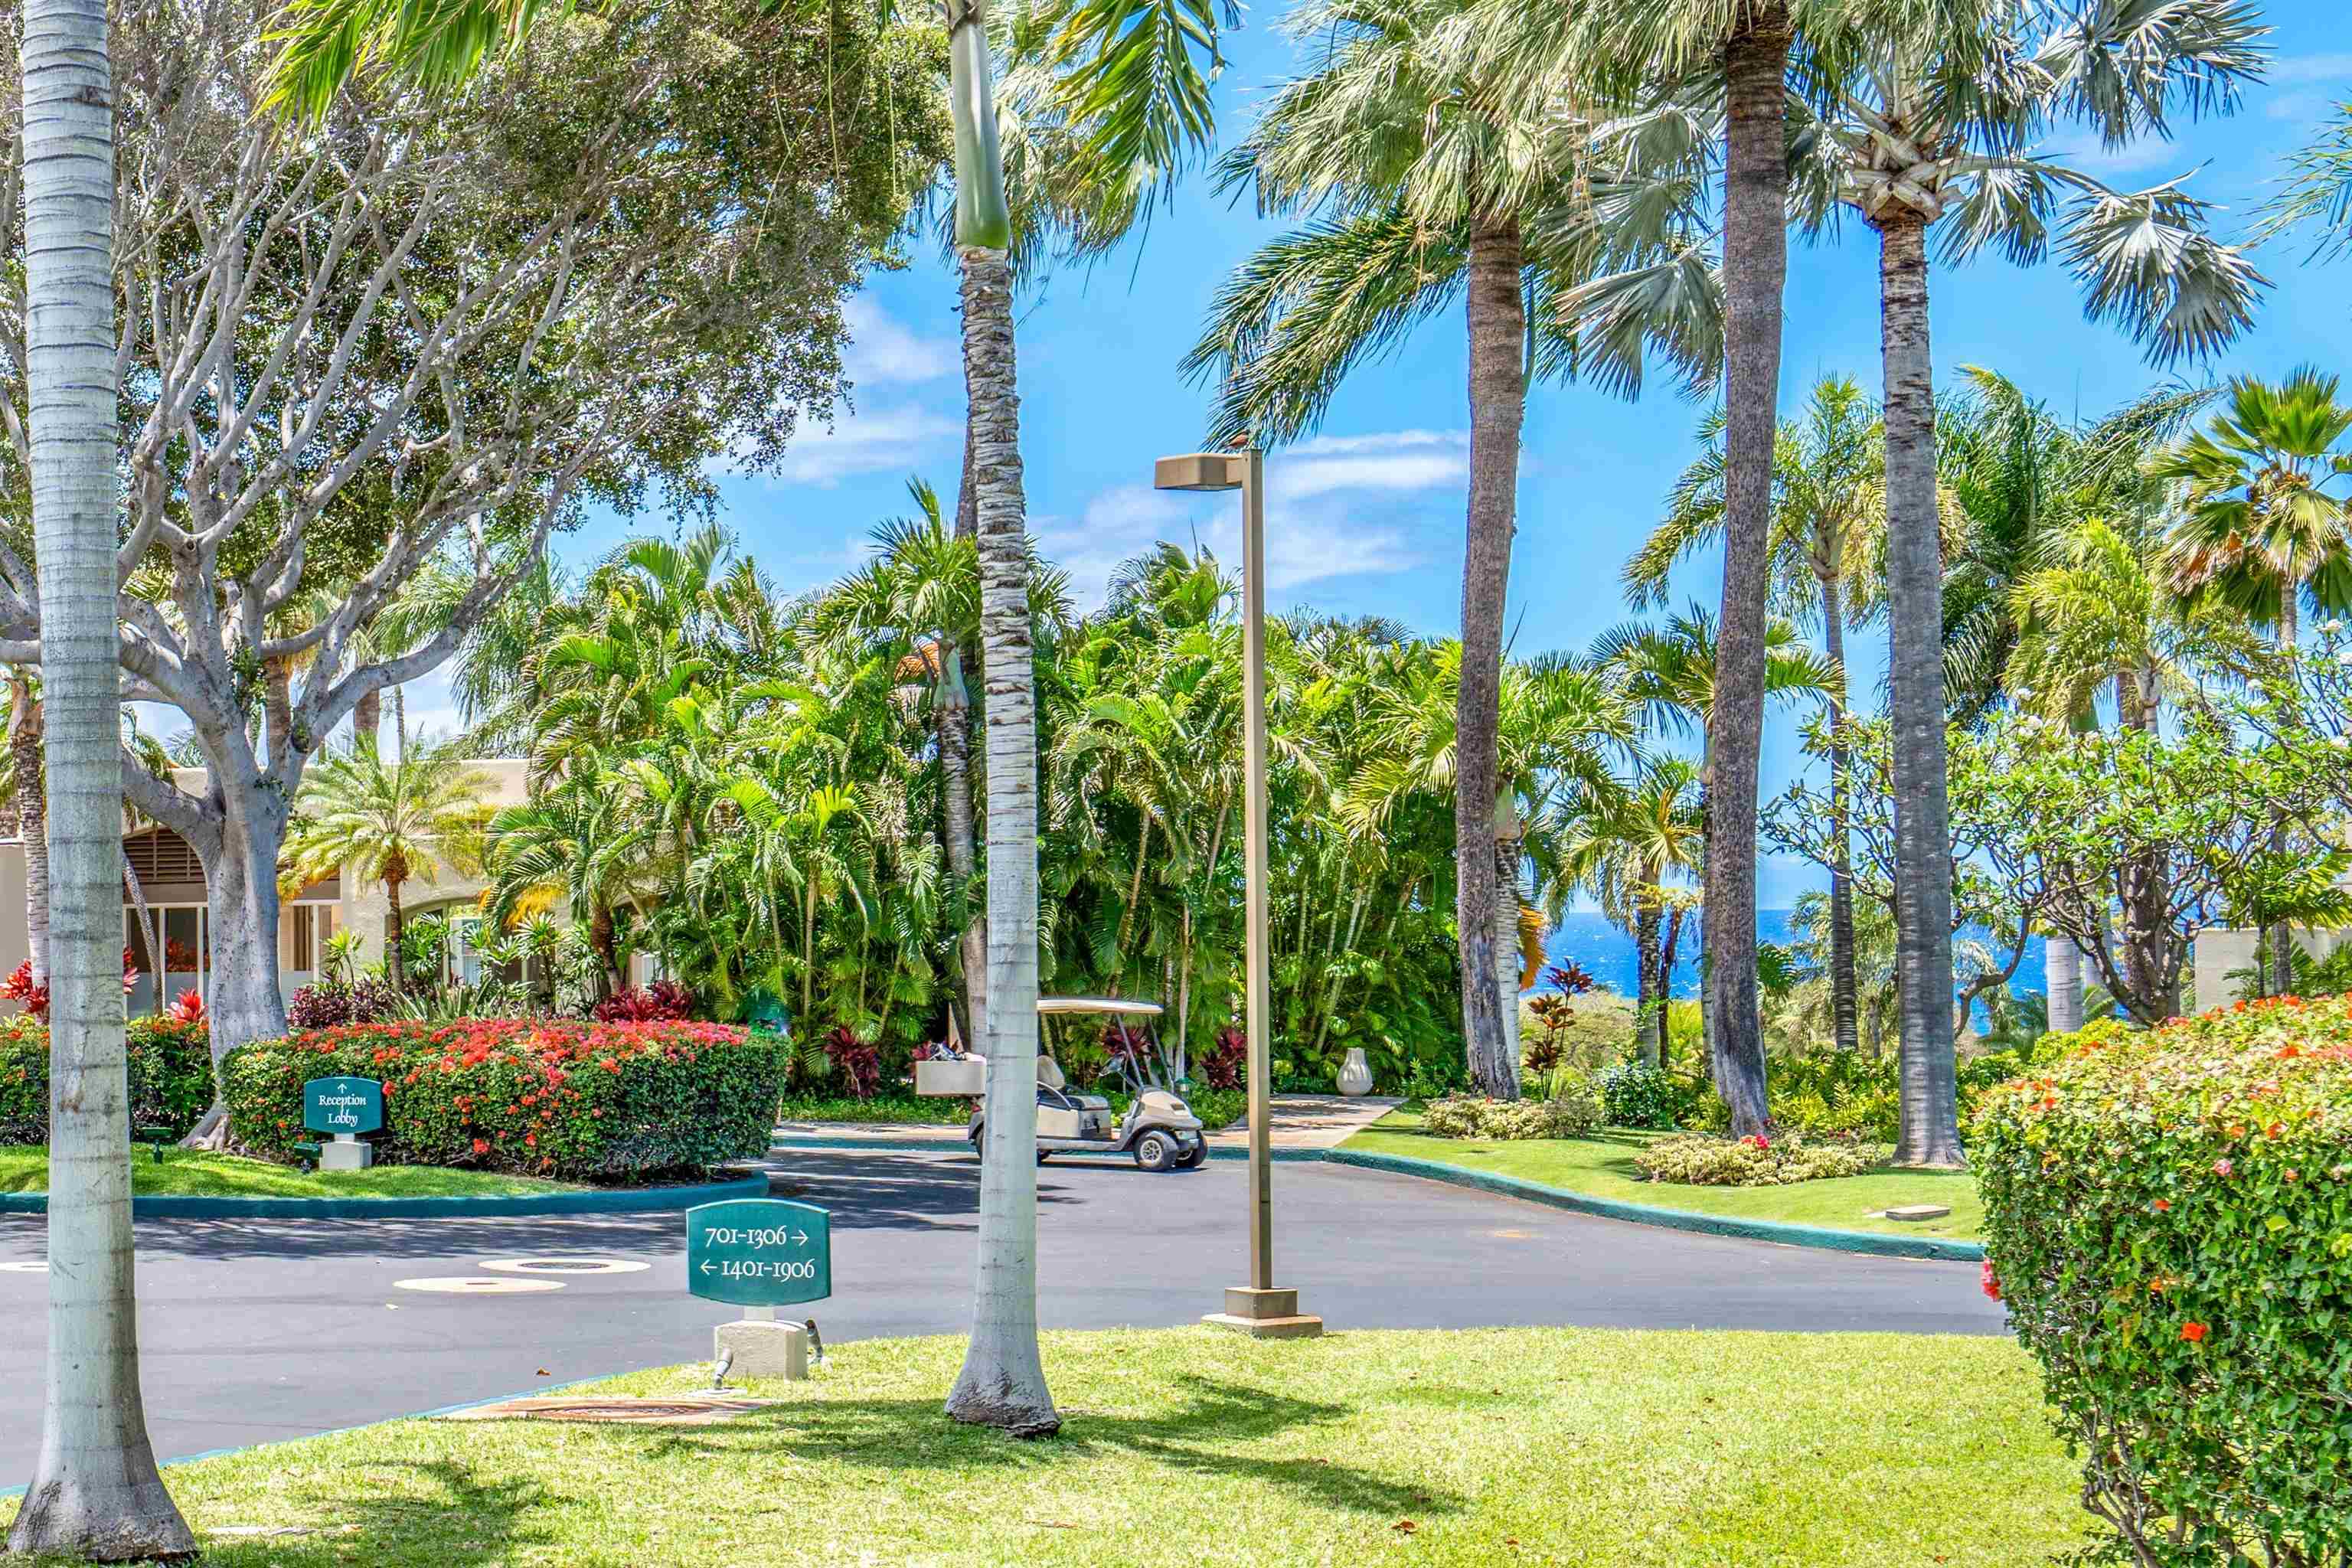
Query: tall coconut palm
[2258, 530]
[393, 823]
[30, 801]
[1433, 170]
[1939, 116]
[95, 1491]
[1829, 512]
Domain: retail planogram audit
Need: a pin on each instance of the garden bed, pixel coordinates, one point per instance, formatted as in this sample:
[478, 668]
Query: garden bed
[1738, 1450]
[187, 1173]
[1603, 1166]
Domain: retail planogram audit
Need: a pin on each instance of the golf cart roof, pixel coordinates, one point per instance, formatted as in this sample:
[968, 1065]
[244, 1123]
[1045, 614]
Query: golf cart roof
[1118, 1005]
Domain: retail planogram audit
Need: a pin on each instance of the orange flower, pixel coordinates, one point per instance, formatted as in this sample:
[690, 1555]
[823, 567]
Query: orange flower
[2194, 1332]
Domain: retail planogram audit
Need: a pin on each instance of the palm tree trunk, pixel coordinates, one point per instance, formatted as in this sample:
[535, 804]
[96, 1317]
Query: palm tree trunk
[1664, 984]
[1649, 1004]
[2282, 934]
[2062, 963]
[32, 821]
[1929, 1122]
[1507, 925]
[954, 716]
[1002, 1382]
[393, 926]
[1755, 267]
[1844, 995]
[367, 719]
[1497, 327]
[95, 1491]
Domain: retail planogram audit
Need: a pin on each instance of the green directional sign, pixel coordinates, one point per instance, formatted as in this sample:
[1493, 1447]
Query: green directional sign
[352, 1105]
[759, 1252]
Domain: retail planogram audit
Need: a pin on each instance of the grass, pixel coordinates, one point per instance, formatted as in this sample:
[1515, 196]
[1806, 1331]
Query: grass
[1494, 1447]
[1603, 1166]
[24, 1168]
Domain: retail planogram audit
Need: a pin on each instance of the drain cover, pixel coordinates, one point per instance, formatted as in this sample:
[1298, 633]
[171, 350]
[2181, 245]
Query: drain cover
[476, 1285]
[676, 1410]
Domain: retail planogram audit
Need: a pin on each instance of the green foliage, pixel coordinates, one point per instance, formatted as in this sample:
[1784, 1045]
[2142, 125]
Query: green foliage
[1842, 1094]
[1700, 1159]
[1635, 1094]
[601, 1102]
[171, 1076]
[1571, 1112]
[2170, 1218]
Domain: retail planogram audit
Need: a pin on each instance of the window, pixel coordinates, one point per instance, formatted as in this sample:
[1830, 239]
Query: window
[313, 925]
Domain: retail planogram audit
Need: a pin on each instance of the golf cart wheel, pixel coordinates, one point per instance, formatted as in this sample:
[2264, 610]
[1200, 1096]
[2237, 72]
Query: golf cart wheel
[1194, 1158]
[1155, 1151]
[979, 1148]
[1043, 1155]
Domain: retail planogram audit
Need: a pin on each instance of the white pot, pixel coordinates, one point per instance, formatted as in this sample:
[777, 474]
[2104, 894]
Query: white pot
[1355, 1073]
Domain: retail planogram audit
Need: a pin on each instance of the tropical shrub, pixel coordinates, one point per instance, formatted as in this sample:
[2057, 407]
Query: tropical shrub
[1843, 1094]
[1224, 1064]
[171, 1075]
[1571, 1114]
[327, 1003]
[1635, 1094]
[2168, 1216]
[1703, 1160]
[589, 1101]
[662, 1001]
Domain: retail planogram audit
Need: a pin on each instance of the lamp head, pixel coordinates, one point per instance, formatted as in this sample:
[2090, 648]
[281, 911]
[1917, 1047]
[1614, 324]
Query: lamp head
[1198, 471]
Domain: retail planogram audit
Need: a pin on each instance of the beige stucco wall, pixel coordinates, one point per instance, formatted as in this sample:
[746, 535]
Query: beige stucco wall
[2218, 952]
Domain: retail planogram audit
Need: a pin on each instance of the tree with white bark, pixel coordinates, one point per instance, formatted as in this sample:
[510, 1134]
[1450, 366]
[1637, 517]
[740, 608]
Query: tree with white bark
[407, 335]
[95, 1491]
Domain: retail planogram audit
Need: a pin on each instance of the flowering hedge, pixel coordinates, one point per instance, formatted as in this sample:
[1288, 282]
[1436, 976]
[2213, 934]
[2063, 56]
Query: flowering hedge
[171, 1075]
[571, 1100]
[1703, 1160]
[2168, 1215]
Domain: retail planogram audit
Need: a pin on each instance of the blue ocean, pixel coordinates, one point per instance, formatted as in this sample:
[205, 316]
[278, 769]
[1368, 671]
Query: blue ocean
[1607, 954]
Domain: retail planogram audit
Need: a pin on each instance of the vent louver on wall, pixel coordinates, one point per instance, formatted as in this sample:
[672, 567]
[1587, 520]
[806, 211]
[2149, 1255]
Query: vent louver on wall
[163, 856]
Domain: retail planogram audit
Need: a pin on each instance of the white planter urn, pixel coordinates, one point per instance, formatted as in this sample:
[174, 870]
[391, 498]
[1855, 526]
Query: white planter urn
[1355, 1073]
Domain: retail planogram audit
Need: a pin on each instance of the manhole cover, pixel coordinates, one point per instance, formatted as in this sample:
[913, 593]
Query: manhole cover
[676, 1410]
[477, 1285]
[565, 1266]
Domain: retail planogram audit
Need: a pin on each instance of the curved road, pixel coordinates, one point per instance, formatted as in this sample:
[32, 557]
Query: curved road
[253, 1332]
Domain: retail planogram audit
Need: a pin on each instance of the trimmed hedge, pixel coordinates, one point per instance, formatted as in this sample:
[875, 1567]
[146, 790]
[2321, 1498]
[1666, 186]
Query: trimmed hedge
[1703, 1160]
[2168, 1215]
[171, 1076]
[568, 1099]
[1572, 1113]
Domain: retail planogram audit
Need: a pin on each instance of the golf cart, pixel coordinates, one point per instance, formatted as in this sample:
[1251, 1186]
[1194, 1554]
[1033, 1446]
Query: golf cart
[1158, 1132]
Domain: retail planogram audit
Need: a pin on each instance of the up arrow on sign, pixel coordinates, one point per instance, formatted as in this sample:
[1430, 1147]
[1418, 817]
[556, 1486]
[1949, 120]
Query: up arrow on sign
[759, 1252]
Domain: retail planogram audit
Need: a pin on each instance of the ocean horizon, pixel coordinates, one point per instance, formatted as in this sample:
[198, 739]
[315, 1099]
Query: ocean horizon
[1608, 954]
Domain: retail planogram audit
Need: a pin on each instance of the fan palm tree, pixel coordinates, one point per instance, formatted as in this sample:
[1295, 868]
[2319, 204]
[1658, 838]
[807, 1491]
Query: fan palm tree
[1628, 847]
[1939, 118]
[387, 822]
[1673, 676]
[1432, 173]
[95, 1490]
[1829, 513]
[579, 843]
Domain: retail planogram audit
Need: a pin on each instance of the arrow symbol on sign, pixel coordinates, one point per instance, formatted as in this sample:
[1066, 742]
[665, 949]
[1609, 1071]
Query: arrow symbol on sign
[800, 1238]
[706, 1267]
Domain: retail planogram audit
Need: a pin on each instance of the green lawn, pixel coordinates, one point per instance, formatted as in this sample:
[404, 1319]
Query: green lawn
[1497, 1446]
[24, 1168]
[1602, 1165]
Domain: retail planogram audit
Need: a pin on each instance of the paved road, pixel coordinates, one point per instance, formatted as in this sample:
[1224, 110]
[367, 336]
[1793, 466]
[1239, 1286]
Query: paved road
[255, 1331]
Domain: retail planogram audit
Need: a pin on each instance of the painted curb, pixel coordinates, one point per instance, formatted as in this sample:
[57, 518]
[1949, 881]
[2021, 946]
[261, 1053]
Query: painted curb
[1935, 1249]
[593, 1200]
[956, 1146]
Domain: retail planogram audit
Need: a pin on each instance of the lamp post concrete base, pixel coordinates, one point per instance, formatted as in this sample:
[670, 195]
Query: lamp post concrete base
[1265, 1315]
[763, 1348]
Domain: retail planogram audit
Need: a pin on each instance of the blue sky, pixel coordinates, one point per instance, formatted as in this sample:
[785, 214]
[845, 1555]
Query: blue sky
[1366, 517]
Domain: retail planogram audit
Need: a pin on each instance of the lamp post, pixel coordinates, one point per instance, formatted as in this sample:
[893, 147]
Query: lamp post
[1257, 1308]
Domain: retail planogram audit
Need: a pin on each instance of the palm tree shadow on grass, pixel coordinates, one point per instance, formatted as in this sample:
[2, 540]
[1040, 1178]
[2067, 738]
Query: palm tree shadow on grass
[904, 1434]
[443, 1506]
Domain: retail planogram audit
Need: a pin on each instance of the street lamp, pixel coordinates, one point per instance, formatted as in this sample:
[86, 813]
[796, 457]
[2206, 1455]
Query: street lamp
[1257, 1308]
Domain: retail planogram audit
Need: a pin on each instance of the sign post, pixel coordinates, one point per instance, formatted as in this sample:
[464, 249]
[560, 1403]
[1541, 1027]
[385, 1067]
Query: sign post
[759, 1254]
[343, 1108]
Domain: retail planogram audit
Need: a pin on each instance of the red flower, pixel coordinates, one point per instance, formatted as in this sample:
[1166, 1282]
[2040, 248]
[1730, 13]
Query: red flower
[531, 1140]
[2162, 1204]
[2222, 1167]
[481, 1145]
[1989, 1280]
[2194, 1332]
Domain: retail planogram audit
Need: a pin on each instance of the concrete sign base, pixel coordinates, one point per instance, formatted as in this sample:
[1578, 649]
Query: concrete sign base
[762, 1349]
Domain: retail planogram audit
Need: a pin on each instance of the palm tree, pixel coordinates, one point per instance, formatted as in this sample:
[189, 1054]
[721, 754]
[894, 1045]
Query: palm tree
[1675, 675]
[1628, 846]
[579, 843]
[1829, 513]
[2257, 530]
[1435, 172]
[95, 1490]
[31, 805]
[393, 823]
[1940, 118]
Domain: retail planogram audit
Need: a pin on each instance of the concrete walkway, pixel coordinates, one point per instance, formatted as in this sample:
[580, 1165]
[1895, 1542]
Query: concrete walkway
[1300, 1122]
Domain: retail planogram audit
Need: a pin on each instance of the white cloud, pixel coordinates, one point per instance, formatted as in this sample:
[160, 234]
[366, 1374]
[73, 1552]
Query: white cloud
[2296, 69]
[869, 442]
[1337, 506]
[882, 350]
[2147, 156]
